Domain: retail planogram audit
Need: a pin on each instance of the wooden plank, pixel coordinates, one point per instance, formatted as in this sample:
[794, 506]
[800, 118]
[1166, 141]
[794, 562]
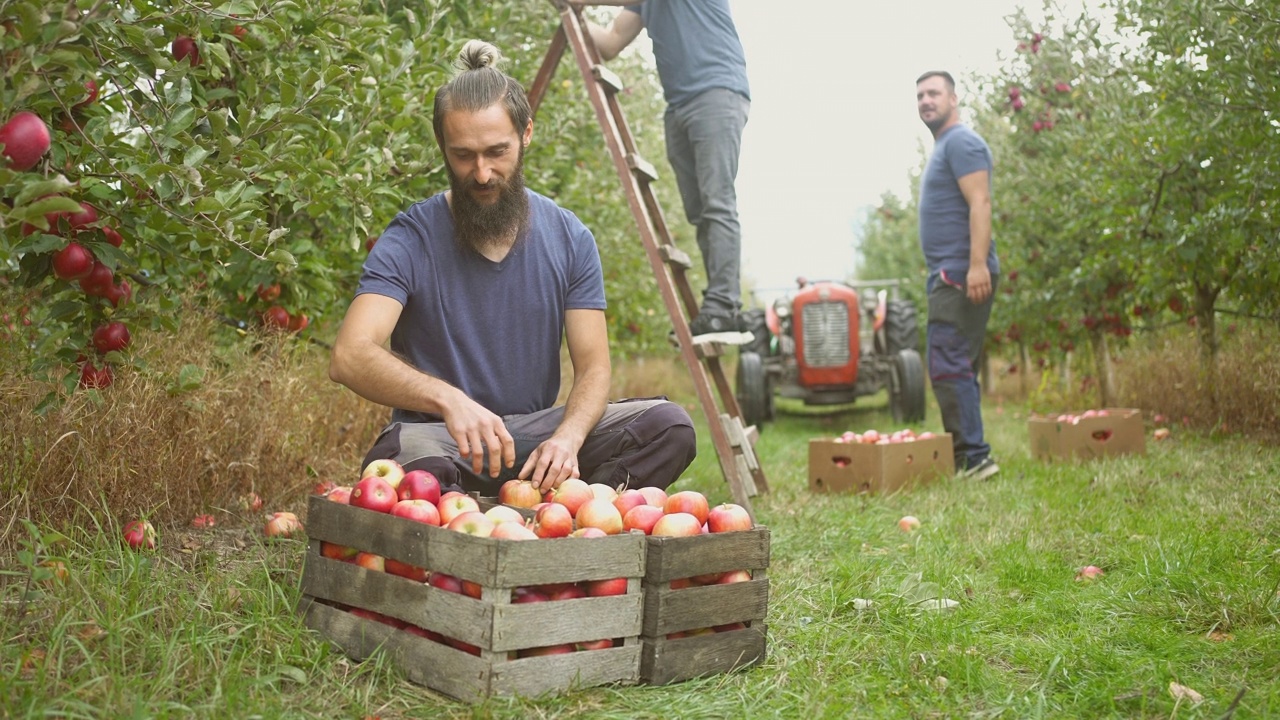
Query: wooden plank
[566, 621]
[667, 611]
[670, 558]
[675, 256]
[607, 78]
[667, 661]
[706, 350]
[531, 677]
[642, 167]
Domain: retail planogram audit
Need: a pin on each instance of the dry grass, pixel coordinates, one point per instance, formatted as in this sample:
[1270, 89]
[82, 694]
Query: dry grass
[263, 418]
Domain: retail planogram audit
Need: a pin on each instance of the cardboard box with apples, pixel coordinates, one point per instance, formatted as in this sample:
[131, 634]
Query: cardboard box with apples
[705, 601]
[1086, 435]
[846, 464]
[489, 635]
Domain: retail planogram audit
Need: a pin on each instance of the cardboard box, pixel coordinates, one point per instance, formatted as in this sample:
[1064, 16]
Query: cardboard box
[493, 625]
[680, 635]
[866, 468]
[1120, 432]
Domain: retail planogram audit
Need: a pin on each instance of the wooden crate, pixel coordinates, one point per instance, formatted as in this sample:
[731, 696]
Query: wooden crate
[492, 622]
[668, 611]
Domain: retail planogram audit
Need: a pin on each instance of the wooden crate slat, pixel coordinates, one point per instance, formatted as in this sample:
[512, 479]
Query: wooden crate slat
[566, 621]
[666, 661]
[667, 611]
[530, 677]
[670, 558]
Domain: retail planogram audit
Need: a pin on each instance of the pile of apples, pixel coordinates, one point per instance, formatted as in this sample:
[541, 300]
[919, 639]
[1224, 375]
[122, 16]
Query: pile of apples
[875, 437]
[1075, 419]
[574, 509]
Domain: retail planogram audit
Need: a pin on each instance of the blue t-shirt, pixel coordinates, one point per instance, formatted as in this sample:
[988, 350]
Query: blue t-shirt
[491, 329]
[696, 46]
[944, 214]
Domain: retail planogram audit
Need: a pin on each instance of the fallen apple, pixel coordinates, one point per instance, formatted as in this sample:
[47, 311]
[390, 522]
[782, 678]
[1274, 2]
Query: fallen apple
[282, 525]
[1088, 572]
[908, 523]
[140, 535]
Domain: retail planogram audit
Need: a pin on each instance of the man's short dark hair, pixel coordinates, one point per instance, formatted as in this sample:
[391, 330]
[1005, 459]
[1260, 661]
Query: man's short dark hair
[951, 82]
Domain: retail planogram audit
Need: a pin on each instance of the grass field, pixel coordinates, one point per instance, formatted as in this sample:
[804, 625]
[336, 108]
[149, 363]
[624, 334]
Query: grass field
[1188, 537]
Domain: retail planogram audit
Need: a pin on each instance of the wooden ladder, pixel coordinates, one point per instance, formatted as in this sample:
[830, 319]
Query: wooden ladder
[734, 441]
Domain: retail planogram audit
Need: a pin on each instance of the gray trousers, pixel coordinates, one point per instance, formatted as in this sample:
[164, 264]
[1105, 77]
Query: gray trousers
[638, 442]
[704, 138]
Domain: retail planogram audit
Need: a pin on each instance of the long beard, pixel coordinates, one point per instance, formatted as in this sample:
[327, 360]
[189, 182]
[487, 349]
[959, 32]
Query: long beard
[481, 227]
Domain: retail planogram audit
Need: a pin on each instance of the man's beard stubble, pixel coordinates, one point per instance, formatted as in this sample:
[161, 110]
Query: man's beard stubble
[481, 227]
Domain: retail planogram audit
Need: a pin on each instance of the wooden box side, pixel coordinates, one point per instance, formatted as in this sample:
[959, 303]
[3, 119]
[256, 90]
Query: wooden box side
[668, 611]
[670, 558]
[666, 661]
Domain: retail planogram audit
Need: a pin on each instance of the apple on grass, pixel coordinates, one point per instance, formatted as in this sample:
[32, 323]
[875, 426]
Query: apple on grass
[282, 525]
[419, 485]
[385, 468]
[689, 501]
[203, 521]
[519, 493]
[908, 523]
[140, 535]
[642, 518]
[1089, 572]
[728, 517]
[374, 493]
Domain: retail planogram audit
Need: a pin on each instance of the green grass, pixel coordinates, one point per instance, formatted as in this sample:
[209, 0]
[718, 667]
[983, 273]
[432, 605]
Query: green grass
[1188, 536]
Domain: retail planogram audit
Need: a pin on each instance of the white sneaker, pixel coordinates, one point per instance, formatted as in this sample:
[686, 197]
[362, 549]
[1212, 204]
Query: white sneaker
[981, 471]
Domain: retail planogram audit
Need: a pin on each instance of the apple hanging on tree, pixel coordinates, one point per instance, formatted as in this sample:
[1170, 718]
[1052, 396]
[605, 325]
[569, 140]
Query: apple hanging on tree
[26, 139]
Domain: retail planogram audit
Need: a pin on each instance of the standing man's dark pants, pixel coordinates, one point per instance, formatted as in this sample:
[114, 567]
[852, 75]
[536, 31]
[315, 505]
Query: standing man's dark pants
[956, 331]
[637, 442]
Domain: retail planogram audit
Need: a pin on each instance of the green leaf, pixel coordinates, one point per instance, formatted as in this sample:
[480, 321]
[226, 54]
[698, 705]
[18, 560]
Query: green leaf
[181, 121]
[35, 212]
[41, 188]
[195, 155]
[283, 257]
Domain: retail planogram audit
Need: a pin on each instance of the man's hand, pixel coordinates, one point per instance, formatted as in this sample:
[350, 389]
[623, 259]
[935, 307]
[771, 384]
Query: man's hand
[978, 284]
[550, 464]
[476, 430]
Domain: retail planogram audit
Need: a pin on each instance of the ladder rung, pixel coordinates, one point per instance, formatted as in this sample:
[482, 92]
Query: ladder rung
[643, 167]
[673, 255]
[706, 350]
[753, 435]
[607, 78]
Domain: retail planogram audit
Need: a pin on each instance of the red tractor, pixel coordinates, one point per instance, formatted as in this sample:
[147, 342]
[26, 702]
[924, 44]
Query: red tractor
[829, 343]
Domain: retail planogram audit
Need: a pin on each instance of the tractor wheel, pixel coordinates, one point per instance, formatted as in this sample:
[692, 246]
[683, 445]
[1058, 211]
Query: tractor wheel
[900, 328]
[755, 397]
[906, 387]
[755, 323]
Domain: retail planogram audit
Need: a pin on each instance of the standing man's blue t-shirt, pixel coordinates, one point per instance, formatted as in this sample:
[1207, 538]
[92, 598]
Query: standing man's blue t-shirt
[491, 329]
[696, 47]
[944, 213]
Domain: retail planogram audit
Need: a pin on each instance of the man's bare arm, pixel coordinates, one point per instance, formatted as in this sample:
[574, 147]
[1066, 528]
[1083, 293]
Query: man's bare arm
[611, 40]
[976, 188]
[362, 362]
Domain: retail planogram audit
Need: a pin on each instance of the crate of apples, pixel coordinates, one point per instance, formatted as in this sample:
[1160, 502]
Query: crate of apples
[874, 461]
[1086, 435]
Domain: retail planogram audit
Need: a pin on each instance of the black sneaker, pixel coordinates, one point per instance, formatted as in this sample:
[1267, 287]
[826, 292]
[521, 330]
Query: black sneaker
[727, 329]
[983, 470]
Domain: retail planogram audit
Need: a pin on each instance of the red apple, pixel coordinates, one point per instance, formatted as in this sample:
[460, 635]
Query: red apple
[628, 499]
[1089, 572]
[908, 523]
[472, 522]
[571, 493]
[91, 86]
[203, 521]
[595, 645]
[600, 513]
[471, 589]
[96, 378]
[26, 139]
[707, 578]
[73, 262]
[642, 518]
[454, 504]
[405, 570]
[250, 502]
[654, 496]
[512, 531]
[387, 469]
[419, 485]
[99, 281]
[113, 237]
[270, 293]
[543, 651]
[523, 595]
[500, 514]
[679, 524]
[119, 294]
[369, 561]
[730, 627]
[519, 493]
[734, 576]
[553, 521]
[374, 493]
[688, 501]
[728, 517]
[567, 592]
[418, 511]
[681, 583]
[1161, 434]
[588, 532]
[334, 551]
[323, 487]
[282, 525]
[112, 337]
[448, 583]
[602, 491]
[184, 48]
[140, 535]
[87, 215]
[340, 494]
[275, 318]
[604, 588]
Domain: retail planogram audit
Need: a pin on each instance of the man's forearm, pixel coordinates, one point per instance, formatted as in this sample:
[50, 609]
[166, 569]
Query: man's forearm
[585, 405]
[378, 375]
[979, 232]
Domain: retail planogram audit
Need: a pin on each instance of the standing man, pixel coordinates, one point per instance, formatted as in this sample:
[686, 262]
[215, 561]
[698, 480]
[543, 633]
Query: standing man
[955, 235]
[703, 72]
[459, 314]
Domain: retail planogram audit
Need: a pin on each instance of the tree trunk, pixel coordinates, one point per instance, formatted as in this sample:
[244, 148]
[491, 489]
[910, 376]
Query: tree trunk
[1207, 339]
[1024, 359]
[1102, 367]
[1066, 371]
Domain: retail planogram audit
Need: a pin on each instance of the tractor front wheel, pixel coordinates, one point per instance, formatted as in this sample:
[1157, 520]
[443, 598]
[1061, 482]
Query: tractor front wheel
[755, 396]
[906, 387]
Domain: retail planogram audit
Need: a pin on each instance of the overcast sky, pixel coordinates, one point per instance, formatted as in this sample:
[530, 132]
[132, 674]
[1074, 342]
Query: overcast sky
[833, 122]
